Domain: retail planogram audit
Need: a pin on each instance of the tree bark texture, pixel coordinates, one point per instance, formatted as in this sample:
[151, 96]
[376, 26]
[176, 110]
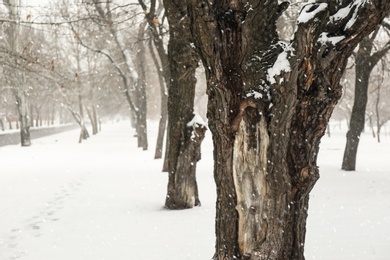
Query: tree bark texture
[365, 62]
[184, 140]
[269, 105]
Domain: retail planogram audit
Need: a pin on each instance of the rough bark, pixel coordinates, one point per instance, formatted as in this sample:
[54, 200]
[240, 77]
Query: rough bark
[182, 191]
[267, 120]
[184, 140]
[365, 62]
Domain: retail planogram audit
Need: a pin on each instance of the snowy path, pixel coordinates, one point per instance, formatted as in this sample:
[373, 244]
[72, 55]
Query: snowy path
[99, 200]
[102, 199]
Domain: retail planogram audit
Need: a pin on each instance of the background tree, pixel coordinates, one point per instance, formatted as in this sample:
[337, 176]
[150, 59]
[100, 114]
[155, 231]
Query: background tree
[377, 108]
[366, 59]
[18, 45]
[269, 105]
[107, 18]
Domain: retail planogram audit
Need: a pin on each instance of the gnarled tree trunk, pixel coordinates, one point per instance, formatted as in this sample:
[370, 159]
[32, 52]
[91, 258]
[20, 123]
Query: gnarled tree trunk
[269, 104]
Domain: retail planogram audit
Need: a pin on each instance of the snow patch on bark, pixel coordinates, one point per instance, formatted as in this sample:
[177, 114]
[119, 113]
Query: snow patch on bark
[345, 12]
[324, 38]
[309, 11]
[196, 121]
[254, 94]
[281, 64]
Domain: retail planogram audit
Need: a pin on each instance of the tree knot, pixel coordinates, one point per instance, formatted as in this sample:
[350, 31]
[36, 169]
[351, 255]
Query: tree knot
[235, 124]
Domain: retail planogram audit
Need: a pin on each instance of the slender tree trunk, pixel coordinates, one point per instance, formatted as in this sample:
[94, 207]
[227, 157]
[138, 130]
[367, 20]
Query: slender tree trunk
[269, 106]
[378, 119]
[83, 131]
[184, 139]
[9, 122]
[163, 106]
[365, 62]
[126, 70]
[91, 111]
[371, 126]
[23, 112]
[38, 116]
[92, 114]
[156, 28]
[31, 110]
[15, 74]
[356, 125]
[141, 91]
[2, 124]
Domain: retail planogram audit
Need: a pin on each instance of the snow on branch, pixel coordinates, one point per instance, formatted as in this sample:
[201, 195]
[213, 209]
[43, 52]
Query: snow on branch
[350, 11]
[281, 64]
[309, 12]
[325, 38]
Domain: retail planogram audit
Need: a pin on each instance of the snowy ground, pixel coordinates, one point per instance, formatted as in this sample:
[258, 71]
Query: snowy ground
[103, 199]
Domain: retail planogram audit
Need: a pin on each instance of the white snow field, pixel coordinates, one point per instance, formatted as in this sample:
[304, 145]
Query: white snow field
[103, 199]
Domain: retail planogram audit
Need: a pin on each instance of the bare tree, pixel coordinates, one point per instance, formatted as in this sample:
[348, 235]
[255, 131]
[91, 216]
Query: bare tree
[366, 59]
[15, 75]
[116, 50]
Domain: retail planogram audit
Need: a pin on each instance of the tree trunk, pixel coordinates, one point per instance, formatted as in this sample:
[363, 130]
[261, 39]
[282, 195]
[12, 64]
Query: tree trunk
[2, 124]
[356, 125]
[185, 138]
[163, 107]
[15, 74]
[91, 109]
[38, 116]
[83, 132]
[269, 105]
[21, 101]
[378, 119]
[9, 122]
[125, 67]
[141, 91]
[156, 31]
[182, 186]
[31, 110]
[365, 62]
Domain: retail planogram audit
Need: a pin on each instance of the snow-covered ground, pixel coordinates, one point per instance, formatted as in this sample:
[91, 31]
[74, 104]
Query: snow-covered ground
[103, 199]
